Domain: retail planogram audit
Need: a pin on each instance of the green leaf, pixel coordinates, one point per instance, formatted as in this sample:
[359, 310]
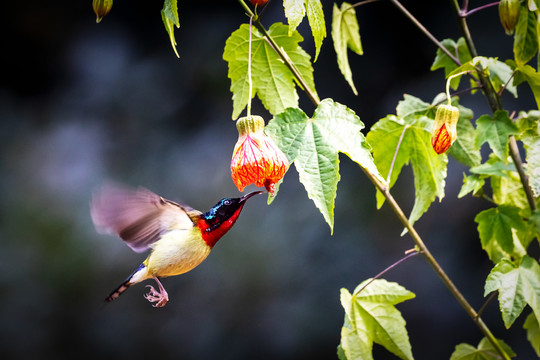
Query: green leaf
[429, 169]
[484, 351]
[346, 35]
[526, 36]
[371, 317]
[530, 136]
[508, 190]
[464, 149]
[498, 72]
[472, 183]
[443, 61]
[315, 16]
[533, 332]
[493, 167]
[411, 105]
[497, 227]
[495, 131]
[294, 12]
[529, 74]
[518, 286]
[272, 80]
[169, 15]
[314, 144]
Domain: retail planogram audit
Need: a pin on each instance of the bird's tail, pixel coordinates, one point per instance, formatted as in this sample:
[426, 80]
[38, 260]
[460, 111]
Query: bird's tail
[137, 276]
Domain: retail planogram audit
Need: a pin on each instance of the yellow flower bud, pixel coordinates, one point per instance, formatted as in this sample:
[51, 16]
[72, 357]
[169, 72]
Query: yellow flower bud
[444, 129]
[509, 14]
[101, 8]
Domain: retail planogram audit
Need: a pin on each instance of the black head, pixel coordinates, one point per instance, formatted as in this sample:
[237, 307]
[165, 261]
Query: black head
[227, 208]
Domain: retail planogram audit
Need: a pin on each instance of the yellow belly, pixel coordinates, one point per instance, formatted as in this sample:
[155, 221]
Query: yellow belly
[177, 252]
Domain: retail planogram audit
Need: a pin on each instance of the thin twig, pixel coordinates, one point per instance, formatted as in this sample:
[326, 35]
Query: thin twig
[395, 153]
[408, 256]
[425, 31]
[485, 304]
[465, 13]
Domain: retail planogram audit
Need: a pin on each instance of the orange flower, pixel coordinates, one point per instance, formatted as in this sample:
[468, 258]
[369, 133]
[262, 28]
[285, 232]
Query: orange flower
[444, 130]
[256, 158]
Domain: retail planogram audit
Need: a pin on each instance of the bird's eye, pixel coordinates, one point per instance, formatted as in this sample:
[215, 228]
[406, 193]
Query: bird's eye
[227, 202]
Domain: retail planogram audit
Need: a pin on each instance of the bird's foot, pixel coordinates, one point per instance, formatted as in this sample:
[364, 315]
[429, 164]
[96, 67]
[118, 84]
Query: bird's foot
[159, 298]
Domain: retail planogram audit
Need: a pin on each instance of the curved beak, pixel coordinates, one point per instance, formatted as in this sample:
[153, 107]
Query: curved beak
[247, 196]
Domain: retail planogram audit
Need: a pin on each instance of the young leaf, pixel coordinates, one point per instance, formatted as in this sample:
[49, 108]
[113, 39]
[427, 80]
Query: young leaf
[495, 227]
[529, 74]
[274, 82]
[413, 137]
[443, 61]
[371, 317]
[295, 10]
[484, 351]
[169, 15]
[518, 285]
[313, 144]
[533, 332]
[472, 183]
[495, 131]
[526, 36]
[346, 35]
[315, 16]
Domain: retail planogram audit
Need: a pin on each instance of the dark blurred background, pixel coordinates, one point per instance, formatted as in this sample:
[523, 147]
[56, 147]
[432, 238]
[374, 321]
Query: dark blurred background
[82, 103]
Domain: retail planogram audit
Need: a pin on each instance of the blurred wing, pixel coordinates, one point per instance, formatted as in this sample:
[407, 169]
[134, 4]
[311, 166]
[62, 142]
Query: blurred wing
[138, 216]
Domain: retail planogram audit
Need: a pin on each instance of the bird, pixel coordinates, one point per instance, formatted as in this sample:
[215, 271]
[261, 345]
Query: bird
[179, 237]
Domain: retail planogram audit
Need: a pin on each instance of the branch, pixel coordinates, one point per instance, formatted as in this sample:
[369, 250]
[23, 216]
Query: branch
[495, 103]
[286, 59]
[421, 27]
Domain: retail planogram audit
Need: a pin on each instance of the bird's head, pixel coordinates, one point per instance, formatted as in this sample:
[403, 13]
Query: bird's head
[221, 217]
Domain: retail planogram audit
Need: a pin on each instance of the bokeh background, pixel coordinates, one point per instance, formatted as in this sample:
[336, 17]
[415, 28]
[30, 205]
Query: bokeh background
[82, 103]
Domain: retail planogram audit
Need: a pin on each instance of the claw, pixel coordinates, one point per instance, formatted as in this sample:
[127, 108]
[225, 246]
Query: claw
[160, 298]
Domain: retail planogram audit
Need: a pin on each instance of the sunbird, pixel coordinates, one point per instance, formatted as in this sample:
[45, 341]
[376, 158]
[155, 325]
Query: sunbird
[180, 237]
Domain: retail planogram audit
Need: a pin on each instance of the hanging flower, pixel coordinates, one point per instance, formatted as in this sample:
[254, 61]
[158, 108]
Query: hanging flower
[509, 14]
[444, 130]
[101, 8]
[256, 158]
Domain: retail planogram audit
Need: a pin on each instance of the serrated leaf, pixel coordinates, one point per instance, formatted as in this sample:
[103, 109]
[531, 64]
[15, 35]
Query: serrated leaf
[443, 61]
[495, 131]
[295, 11]
[493, 167]
[531, 76]
[508, 190]
[518, 286]
[472, 183]
[496, 228]
[314, 145]
[411, 105]
[169, 15]
[526, 36]
[429, 168]
[371, 317]
[346, 35]
[316, 23]
[484, 351]
[533, 332]
[464, 149]
[274, 83]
